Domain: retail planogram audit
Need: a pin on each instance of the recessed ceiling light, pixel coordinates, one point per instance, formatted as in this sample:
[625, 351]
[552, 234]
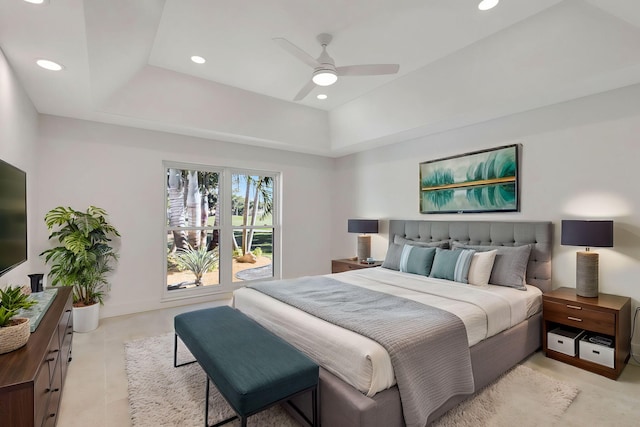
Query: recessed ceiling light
[49, 65]
[35, 1]
[488, 4]
[321, 96]
[198, 59]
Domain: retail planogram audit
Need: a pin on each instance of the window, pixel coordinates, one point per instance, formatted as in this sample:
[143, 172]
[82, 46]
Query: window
[222, 228]
[252, 222]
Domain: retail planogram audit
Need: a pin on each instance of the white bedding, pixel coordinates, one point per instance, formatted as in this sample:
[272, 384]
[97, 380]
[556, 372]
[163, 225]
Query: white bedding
[362, 362]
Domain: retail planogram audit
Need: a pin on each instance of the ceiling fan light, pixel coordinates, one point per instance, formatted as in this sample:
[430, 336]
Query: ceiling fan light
[322, 96]
[324, 77]
[488, 4]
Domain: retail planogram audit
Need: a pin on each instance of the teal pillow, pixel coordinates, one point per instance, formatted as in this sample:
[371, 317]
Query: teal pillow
[452, 264]
[416, 259]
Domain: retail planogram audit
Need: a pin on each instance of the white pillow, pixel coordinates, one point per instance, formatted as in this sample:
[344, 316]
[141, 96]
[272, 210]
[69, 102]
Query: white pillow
[481, 266]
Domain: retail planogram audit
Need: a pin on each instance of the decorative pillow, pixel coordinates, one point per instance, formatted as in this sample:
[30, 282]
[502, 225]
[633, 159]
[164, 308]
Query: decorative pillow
[444, 244]
[510, 265]
[481, 266]
[452, 264]
[417, 260]
[392, 258]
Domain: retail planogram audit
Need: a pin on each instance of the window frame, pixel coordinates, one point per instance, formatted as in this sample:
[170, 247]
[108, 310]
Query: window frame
[225, 191]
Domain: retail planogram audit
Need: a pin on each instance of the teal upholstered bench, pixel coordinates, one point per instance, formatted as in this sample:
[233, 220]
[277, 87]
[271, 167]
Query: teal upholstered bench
[252, 368]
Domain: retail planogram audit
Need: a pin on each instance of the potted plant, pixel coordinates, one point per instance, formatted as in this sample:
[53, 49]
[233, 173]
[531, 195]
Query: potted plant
[14, 331]
[82, 260]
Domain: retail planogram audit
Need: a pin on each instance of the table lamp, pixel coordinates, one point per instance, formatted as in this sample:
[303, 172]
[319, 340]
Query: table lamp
[363, 226]
[587, 234]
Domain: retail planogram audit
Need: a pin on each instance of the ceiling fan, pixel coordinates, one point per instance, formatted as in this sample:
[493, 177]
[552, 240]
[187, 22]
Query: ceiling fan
[325, 72]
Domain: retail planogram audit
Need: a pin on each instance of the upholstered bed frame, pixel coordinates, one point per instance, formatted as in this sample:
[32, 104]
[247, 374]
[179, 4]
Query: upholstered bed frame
[343, 406]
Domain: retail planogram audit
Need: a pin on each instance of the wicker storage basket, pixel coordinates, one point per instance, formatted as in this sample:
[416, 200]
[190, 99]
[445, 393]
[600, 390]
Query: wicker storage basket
[14, 337]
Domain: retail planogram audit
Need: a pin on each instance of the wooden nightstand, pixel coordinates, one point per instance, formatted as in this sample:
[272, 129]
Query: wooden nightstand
[340, 265]
[607, 315]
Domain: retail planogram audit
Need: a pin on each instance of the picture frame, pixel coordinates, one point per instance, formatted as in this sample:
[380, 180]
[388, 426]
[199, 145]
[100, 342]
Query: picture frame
[475, 182]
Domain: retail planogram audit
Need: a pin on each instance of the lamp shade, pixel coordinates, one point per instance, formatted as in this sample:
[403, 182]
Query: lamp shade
[587, 233]
[362, 225]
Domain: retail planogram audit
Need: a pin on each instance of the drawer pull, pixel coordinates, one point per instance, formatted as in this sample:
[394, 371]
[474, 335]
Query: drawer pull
[52, 415]
[575, 307]
[51, 359]
[48, 390]
[575, 319]
[560, 342]
[68, 311]
[55, 351]
[69, 333]
[596, 351]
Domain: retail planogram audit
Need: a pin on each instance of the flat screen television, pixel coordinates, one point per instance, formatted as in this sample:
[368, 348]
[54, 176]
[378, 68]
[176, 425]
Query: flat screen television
[13, 217]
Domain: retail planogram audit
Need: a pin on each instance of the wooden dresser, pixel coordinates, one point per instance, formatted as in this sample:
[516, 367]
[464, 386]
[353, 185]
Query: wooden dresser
[32, 377]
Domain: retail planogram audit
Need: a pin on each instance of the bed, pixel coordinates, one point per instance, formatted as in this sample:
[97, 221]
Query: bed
[357, 381]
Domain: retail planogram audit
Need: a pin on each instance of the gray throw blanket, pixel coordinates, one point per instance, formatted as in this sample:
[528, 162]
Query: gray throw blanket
[428, 346]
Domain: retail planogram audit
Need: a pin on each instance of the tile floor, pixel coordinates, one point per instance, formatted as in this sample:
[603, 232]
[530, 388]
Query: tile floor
[95, 392]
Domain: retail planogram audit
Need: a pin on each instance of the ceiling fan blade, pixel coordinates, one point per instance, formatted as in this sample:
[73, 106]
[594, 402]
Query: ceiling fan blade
[305, 91]
[367, 70]
[297, 52]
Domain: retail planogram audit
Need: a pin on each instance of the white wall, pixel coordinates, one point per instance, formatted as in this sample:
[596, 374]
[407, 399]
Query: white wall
[580, 160]
[18, 138]
[120, 169]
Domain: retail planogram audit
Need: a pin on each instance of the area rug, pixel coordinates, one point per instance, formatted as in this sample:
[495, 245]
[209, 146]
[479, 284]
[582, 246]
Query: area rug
[161, 395]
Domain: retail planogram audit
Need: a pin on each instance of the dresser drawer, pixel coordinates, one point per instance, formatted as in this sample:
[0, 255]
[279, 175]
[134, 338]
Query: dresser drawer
[41, 394]
[576, 315]
[65, 321]
[55, 390]
[52, 356]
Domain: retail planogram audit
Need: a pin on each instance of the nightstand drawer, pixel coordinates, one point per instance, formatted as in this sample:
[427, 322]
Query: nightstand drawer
[564, 341]
[342, 265]
[597, 353]
[580, 317]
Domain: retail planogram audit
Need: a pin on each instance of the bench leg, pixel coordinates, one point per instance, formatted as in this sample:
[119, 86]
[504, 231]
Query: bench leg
[314, 407]
[175, 353]
[243, 420]
[206, 405]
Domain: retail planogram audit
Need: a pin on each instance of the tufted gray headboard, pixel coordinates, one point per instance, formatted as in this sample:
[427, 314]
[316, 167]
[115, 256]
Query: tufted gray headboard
[490, 233]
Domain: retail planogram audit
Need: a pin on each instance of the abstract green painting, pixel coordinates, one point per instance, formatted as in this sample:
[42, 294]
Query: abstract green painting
[482, 181]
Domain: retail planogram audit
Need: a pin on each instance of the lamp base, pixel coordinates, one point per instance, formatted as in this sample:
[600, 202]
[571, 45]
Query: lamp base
[364, 247]
[587, 274]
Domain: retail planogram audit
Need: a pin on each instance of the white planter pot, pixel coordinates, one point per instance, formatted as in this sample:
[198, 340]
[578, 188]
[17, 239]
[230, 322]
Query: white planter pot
[85, 319]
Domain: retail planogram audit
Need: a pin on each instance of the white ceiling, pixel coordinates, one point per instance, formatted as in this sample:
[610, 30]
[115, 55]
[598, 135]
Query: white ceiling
[127, 62]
